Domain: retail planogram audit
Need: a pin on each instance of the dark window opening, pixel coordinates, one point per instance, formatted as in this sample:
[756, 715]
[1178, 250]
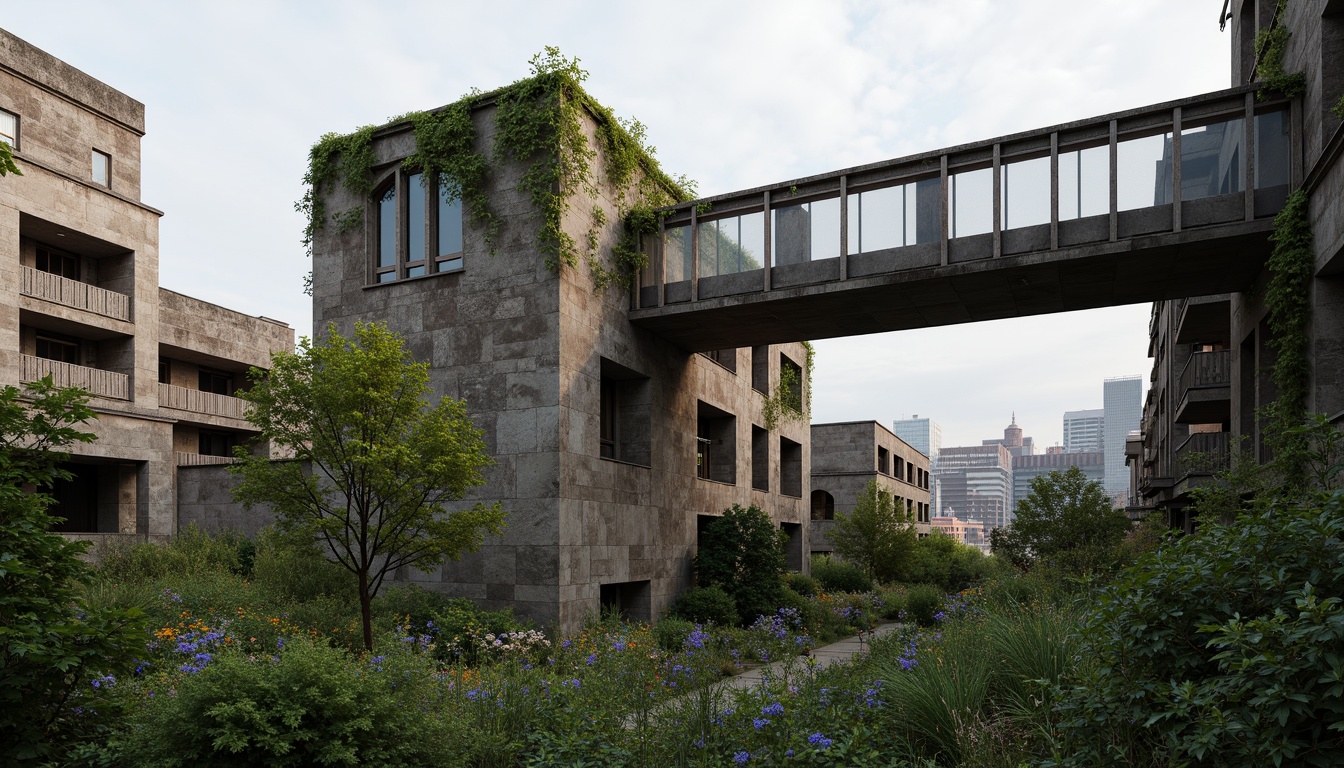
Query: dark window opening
[217, 382]
[716, 444]
[791, 377]
[629, 600]
[760, 369]
[165, 371]
[57, 263]
[96, 498]
[9, 128]
[760, 458]
[883, 460]
[793, 546]
[217, 443]
[790, 468]
[823, 506]
[725, 357]
[60, 349]
[624, 431]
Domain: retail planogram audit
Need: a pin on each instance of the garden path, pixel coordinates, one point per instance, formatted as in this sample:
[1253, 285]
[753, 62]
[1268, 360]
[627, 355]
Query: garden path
[844, 650]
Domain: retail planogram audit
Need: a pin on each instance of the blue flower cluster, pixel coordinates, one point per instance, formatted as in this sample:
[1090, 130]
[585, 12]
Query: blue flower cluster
[198, 647]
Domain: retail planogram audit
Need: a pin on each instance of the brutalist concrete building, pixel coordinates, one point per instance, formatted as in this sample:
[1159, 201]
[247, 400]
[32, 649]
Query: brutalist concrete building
[80, 301]
[848, 455]
[612, 447]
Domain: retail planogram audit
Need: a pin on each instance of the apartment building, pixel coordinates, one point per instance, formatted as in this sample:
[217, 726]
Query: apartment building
[80, 302]
[848, 455]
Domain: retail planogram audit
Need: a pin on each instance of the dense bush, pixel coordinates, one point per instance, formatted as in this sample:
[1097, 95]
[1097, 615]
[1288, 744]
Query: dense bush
[706, 605]
[801, 583]
[191, 552]
[670, 633]
[742, 552]
[310, 705]
[1224, 648]
[835, 576]
[923, 602]
[942, 560]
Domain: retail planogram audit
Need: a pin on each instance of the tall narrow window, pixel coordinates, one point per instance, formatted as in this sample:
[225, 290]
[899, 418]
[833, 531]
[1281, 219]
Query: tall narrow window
[608, 444]
[415, 225]
[431, 217]
[102, 168]
[9, 128]
[450, 230]
[387, 235]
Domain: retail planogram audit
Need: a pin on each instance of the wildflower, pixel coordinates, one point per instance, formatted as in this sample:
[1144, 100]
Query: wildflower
[742, 757]
[773, 709]
[819, 741]
[592, 657]
[280, 643]
[939, 616]
[759, 723]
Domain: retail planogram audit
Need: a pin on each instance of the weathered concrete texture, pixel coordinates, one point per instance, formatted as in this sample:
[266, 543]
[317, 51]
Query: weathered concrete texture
[102, 306]
[846, 456]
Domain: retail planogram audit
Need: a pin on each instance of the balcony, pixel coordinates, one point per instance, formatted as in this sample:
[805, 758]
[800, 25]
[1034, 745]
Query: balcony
[74, 294]
[196, 401]
[1207, 319]
[1203, 453]
[93, 380]
[1206, 389]
[183, 459]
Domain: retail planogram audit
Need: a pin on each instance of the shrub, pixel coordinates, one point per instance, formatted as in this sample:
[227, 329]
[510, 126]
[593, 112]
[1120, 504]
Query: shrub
[460, 629]
[801, 583]
[1222, 648]
[190, 552]
[706, 605]
[411, 603]
[891, 602]
[835, 576]
[284, 571]
[923, 602]
[670, 633]
[942, 560]
[742, 552]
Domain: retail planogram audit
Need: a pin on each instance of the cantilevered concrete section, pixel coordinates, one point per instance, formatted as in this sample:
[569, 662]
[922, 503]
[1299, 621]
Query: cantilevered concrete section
[1073, 216]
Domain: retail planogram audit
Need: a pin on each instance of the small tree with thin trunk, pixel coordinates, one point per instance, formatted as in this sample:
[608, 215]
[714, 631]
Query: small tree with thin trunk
[375, 465]
[876, 535]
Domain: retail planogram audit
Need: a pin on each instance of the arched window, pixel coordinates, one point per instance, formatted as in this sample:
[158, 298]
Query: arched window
[823, 506]
[419, 227]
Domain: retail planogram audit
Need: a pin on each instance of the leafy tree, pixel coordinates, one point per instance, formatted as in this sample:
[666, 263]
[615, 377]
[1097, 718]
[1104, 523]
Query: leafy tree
[7, 165]
[376, 466]
[51, 645]
[1066, 520]
[877, 535]
[742, 552]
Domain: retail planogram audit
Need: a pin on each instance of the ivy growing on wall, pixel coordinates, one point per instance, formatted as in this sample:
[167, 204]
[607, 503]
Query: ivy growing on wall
[792, 398]
[1270, 44]
[1286, 297]
[538, 123]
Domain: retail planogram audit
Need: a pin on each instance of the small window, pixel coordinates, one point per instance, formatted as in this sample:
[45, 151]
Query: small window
[791, 377]
[624, 429]
[760, 369]
[57, 263]
[883, 460]
[449, 224]
[216, 382]
[165, 371]
[790, 468]
[430, 214]
[823, 505]
[102, 168]
[9, 128]
[716, 444]
[724, 357]
[217, 443]
[60, 349]
[760, 459]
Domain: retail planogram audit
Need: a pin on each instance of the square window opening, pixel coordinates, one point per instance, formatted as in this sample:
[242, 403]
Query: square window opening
[628, 600]
[716, 444]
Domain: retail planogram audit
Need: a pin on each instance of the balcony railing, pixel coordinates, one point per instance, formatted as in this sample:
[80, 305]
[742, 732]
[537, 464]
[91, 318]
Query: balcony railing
[1203, 453]
[195, 459]
[196, 401]
[93, 380]
[73, 293]
[1207, 369]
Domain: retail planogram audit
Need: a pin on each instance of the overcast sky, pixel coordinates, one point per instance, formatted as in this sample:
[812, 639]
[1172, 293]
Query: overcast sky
[734, 94]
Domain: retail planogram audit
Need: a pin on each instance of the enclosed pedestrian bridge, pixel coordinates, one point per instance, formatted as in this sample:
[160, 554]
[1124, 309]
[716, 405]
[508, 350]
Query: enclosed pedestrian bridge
[1167, 201]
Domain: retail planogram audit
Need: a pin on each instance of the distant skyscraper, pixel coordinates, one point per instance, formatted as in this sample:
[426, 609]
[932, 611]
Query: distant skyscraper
[1027, 468]
[1083, 430]
[925, 436]
[977, 483]
[1122, 402]
[1014, 441]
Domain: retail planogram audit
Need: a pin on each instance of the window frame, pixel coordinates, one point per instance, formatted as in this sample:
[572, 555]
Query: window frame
[431, 261]
[65, 259]
[62, 341]
[107, 167]
[216, 375]
[12, 141]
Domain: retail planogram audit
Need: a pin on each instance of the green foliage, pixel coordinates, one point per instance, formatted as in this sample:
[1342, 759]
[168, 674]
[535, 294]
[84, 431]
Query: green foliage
[52, 645]
[7, 165]
[742, 552]
[1064, 520]
[1270, 45]
[935, 704]
[310, 705]
[706, 605]
[801, 583]
[835, 576]
[922, 603]
[1291, 266]
[942, 560]
[876, 535]
[289, 572]
[374, 467]
[190, 552]
[538, 123]
[1225, 648]
[792, 398]
[670, 633]
[1338, 109]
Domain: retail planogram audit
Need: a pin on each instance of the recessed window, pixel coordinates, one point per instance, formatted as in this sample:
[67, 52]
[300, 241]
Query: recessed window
[624, 429]
[217, 443]
[760, 458]
[716, 444]
[883, 460]
[429, 215]
[57, 263]
[60, 349]
[790, 467]
[165, 371]
[102, 168]
[216, 382]
[9, 128]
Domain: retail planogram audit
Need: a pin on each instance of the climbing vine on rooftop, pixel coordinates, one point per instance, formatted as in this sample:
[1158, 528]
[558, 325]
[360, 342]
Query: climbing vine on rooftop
[539, 124]
[1270, 45]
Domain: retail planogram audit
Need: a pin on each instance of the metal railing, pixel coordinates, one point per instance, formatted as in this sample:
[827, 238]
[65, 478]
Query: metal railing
[1206, 369]
[73, 293]
[183, 459]
[1203, 453]
[196, 401]
[93, 380]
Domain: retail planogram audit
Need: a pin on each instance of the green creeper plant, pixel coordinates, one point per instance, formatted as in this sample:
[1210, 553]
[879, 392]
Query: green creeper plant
[52, 645]
[876, 535]
[375, 466]
[1270, 45]
[1287, 297]
[792, 397]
